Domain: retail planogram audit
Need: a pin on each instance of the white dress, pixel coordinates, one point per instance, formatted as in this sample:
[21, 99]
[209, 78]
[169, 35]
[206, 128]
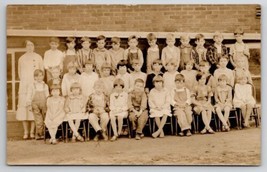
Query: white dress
[119, 104]
[27, 64]
[55, 112]
[243, 95]
[87, 83]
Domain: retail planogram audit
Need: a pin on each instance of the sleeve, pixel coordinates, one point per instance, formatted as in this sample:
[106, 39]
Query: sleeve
[216, 96]
[144, 101]
[167, 103]
[188, 96]
[41, 64]
[112, 102]
[130, 103]
[30, 93]
[249, 77]
[140, 55]
[45, 60]
[178, 56]
[163, 57]
[66, 106]
[210, 92]
[210, 55]
[64, 86]
[108, 57]
[151, 100]
[125, 107]
[232, 78]
[107, 103]
[230, 96]
[61, 60]
[246, 51]
[125, 54]
[172, 94]
[46, 91]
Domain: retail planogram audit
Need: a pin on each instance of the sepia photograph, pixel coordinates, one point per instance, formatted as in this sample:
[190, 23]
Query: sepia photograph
[141, 84]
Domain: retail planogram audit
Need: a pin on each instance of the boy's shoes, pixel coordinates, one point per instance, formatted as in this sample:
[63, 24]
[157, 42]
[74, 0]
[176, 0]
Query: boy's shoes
[96, 138]
[204, 131]
[210, 131]
[105, 137]
[38, 137]
[181, 133]
[142, 135]
[188, 133]
[25, 137]
[80, 138]
[137, 136]
[32, 136]
[114, 138]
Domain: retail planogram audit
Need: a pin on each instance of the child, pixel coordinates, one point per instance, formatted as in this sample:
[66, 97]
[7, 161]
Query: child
[107, 79]
[118, 107]
[169, 76]
[241, 71]
[124, 75]
[199, 52]
[133, 52]
[185, 50]
[55, 72]
[70, 78]
[223, 100]
[239, 49]
[204, 68]
[137, 73]
[244, 99]
[189, 75]
[88, 78]
[84, 54]
[159, 104]
[138, 108]
[55, 112]
[101, 54]
[69, 54]
[53, 57]
[216, 51]
[116, 52]
[170, 52]
[36, 101]
[97, 106]
[156, 67]
[202, 101]
[181, 101]
[152, 51]
[75, 107]
[223, 61]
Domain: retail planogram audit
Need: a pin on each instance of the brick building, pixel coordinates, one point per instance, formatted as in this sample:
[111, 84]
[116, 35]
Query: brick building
[39, 22]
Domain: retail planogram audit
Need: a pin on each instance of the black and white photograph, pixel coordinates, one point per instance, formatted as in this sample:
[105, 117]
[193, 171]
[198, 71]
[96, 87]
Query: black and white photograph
[141, 84]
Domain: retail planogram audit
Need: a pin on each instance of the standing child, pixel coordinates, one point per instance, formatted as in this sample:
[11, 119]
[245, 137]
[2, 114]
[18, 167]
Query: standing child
[159, 104]
[216, 51]
[88, 78]
[189, 75]
[156, 67]
[133, 52]
[69, 78]
[124, 75]
[84, 54]
[53, 57]
[55, 72]
[202, 101]
[185, 50]
[101, 54]
[36, 101]
[116, 52]
[239, 49]
[138, 108]
[169, 76]
[241, 71]
[137, 73]
[69, 54]
[181, 102]
[244, 99]
[152, 51]
[55, 112]
[222, 69]
[97, 107]
[199, 52]
[170, 52]
[107, 79]
[75, 107]
[118, 107]
[223, 100]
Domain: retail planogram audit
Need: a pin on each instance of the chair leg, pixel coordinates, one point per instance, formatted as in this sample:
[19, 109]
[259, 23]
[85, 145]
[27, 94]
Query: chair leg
[237, 121]
[129, 128]
[171, 125]
[62, 132]
[66, 137]
[88, 131]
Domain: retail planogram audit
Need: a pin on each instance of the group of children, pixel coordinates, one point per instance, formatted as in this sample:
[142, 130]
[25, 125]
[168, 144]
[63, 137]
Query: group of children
[108, 85]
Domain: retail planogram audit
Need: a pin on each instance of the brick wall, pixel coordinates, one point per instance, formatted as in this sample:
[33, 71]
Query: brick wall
[149, 18]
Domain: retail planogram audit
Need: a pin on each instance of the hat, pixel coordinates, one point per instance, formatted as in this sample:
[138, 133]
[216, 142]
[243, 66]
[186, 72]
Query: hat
[75, 85]
[158, 79]
[105, 65]
[55, 86]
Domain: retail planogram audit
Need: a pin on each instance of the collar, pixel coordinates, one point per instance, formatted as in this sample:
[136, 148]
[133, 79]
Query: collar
[186, 46]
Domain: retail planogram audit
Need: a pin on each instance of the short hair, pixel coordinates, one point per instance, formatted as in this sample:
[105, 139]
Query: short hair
[222, 77]
[171, 62]
[37, 72]
[239, 31]
[101, 37]
[192, 62]
[170, 36]
[26, 42]
[204, 63]
[151, 36]
[70, 39]
[84, 39]
[179, 77]
[185, 36]
[132, 37]
[199, 36]
[217, 33]
[54, 39]
[157, 61]
[75, 85]
[55, 87]
[72, 64]
[158, 78]
[105, 66]
[99, 84]
[115, 39]
[118, 82]
[121, 64]
[139, 80]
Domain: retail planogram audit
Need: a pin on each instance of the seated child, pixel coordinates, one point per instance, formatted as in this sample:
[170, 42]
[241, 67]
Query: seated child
[241, 71]
[160, 105]
[36, 101]
[138, 108]
[244, 99]
[152, 51]
[156, 70]
[189, 75]
[124, 75]
[223, 100]
[181, 102]
[222, 69]
[185, 50]
[118, 107]
[107, 79]
[55, 112]
[75, 107]
[169, 76]
[202, 102]
[116, 52]
[170, 51]
[199, 52]
[69, 54]
[204, 68]
[55, 79]
[97, 106]
[84, 54]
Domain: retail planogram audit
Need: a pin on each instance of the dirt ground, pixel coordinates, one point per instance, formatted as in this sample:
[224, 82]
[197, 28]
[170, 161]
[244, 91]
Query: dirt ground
[238, 147]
